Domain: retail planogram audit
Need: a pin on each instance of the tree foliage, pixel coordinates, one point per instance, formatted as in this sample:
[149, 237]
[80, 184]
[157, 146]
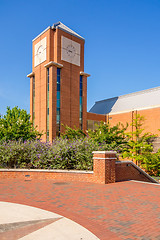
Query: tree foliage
[139, 144]
[114, 137]
[16, 125]
[73, 133]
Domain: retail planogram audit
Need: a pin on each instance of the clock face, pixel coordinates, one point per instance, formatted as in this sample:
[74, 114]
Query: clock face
[70, 51]
[40, 52]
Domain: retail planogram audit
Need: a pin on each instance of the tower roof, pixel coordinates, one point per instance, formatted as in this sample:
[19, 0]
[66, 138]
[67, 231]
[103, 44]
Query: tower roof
[66, 29]
[62, 27]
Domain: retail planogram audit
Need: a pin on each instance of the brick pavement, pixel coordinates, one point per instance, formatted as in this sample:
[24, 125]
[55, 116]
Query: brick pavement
[125, 210]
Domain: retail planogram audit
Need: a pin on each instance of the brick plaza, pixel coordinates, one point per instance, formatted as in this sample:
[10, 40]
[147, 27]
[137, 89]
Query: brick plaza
[124, 210]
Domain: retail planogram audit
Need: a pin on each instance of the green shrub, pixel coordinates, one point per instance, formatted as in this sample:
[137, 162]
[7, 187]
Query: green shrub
[61, 154]
[151, 163]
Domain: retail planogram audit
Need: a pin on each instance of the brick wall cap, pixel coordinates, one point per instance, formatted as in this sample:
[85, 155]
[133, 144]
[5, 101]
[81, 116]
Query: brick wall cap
[121, 162]
[45, 170]
[104, 152]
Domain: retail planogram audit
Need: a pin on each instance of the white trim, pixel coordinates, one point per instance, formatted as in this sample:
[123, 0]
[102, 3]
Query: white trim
[106, 152]
[85, 74]
[30, 75]
[41, 33]
[105, 158]
[53, 64]
[45, 170]
[132, 110]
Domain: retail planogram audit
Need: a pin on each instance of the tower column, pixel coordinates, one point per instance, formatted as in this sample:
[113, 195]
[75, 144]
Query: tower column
[31, 76]
[52, 66]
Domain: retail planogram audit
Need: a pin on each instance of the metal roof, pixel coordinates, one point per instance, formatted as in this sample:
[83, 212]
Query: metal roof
[149, 98]
[66, 29]
[62, 27]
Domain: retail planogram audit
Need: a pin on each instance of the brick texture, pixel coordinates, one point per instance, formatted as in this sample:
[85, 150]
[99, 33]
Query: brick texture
[125, 171]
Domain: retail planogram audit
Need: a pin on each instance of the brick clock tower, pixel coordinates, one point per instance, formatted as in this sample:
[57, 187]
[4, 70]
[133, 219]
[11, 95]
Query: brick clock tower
[58, 84]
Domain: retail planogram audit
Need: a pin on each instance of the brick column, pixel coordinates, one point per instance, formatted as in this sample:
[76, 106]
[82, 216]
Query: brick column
[31, 98]
[52, 102]
[104, 166]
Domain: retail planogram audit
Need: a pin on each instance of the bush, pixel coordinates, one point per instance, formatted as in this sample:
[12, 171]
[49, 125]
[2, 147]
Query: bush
[62, 154]
[151, 163]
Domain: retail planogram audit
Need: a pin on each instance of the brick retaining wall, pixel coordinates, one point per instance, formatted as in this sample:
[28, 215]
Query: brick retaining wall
[103, 162]
[106, 169]
[127, 170]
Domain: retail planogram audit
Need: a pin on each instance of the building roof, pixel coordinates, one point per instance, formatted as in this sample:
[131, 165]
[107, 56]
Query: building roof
[63, 27]
[149, 98]
[66, 29]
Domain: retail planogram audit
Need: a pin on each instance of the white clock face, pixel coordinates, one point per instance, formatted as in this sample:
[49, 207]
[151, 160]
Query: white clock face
[70, 51]
[40, 52]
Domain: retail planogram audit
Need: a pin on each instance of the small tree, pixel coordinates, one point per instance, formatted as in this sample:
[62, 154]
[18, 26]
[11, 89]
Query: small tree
[16, 125]
[114, 137]
[73, 133]
[139, 143]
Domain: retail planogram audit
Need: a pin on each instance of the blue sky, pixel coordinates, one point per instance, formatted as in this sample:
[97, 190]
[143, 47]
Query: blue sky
[122, 44]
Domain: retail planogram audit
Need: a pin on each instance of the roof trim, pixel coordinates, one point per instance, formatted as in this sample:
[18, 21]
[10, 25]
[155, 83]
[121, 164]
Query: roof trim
[67, 29]
[131, 94]
[131, 110]
[41, 33]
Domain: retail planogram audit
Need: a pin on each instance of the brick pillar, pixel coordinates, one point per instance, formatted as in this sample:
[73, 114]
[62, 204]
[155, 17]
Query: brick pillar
[104, 166]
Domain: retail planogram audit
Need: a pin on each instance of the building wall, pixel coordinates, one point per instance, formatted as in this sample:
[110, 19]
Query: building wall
[93, 120]
[41, 85]
[151, 123]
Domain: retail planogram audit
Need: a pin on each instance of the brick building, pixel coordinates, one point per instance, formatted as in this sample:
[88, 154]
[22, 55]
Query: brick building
[124, 108]
[58, 84]
[58, 89]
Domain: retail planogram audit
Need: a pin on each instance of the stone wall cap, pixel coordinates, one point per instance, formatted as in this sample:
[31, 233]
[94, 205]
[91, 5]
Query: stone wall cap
[45, 170]
[30, 75]
[104, 152]
[85, 74]
[53, 64]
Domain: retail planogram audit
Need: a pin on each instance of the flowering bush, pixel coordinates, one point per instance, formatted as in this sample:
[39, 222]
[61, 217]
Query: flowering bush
[61, 154]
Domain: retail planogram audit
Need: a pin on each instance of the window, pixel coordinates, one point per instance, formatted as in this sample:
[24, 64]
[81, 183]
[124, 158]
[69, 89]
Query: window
[47, 104]
[58, 117]
[93, 125]
[81, 102]
[33, 106]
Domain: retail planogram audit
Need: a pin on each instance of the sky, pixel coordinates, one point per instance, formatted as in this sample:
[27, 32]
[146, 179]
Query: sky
[122, 45]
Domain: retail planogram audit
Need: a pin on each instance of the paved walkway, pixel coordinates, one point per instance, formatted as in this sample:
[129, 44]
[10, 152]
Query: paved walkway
[125, 210]
[30, 223]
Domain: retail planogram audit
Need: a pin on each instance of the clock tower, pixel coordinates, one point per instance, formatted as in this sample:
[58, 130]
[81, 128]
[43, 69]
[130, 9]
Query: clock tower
[58, 84]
